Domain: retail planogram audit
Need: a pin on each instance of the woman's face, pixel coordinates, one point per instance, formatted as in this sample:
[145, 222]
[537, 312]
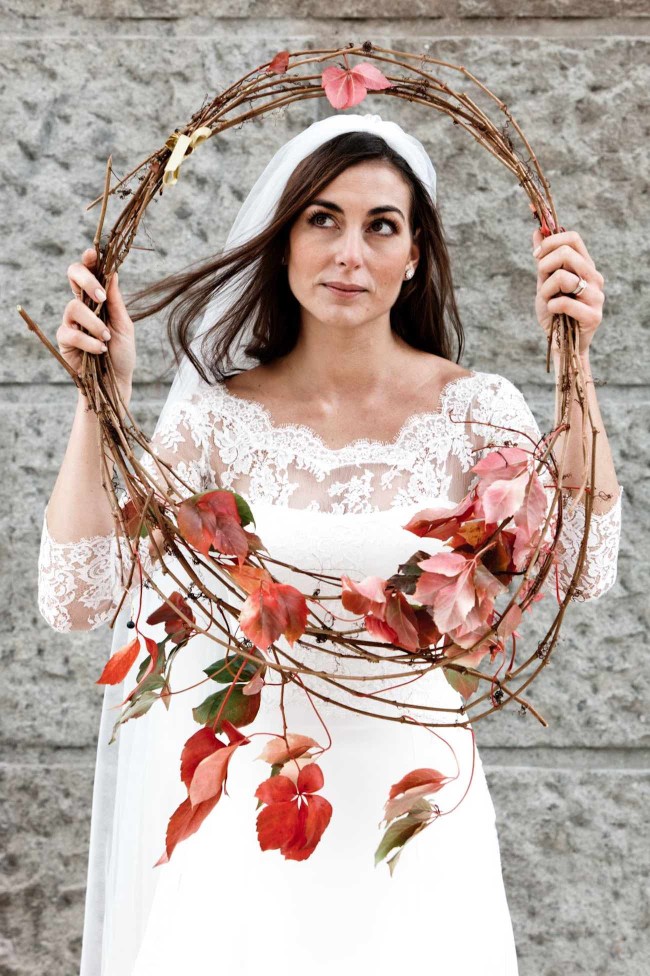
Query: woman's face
[339, 239]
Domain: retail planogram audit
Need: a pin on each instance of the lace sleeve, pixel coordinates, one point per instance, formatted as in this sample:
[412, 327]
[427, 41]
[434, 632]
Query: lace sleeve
[501, 403]
[80, 583]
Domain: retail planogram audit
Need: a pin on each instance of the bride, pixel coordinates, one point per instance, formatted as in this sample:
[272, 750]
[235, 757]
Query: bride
[323, 384]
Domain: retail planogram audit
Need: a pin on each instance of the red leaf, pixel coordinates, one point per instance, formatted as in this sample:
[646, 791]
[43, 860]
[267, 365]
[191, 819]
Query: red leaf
[212, 519]
[263, 617]
[293, 825]
[276, 824]
[428, 633]
[184, 821]
[345, 88]
[318, 813]
[310, 778]
[279, 63]
[380, 629]
[400, 617]
[199, 745]
[296, 608]
[118, 666]
[276, 789]
[417, 783]
[132, 518]
[173, 623]
[152, 647]
[368, 596]
[276, 608]
[441, 523]
[210, 775]
[510, 621]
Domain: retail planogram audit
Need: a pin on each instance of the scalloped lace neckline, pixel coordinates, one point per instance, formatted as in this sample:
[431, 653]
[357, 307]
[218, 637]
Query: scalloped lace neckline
[265, 414]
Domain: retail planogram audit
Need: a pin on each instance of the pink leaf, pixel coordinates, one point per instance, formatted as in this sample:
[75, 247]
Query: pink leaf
[346, 88]
[503, 498]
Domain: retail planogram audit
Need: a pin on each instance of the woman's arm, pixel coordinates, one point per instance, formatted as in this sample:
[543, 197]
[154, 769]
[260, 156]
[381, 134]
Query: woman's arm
[78, 506]
[577, 464]
[80, 578]
[569, 282]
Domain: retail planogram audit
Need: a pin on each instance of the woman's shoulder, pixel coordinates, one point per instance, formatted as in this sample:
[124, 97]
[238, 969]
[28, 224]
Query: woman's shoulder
[473, 383]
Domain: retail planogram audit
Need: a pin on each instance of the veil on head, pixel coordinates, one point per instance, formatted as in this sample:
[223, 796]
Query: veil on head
[258, 210]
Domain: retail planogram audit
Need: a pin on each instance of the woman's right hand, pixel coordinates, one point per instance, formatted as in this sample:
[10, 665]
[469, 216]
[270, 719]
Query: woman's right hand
[121, 333]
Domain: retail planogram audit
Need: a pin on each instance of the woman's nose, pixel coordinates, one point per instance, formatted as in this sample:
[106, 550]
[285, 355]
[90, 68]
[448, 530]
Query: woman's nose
[349, 248]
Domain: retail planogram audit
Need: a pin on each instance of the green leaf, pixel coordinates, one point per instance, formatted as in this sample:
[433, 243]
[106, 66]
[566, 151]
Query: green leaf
[137, 708]
[460, 681]
[401, 831]
[240, 709]
[224, 670]
[152, 682]
[244, 510]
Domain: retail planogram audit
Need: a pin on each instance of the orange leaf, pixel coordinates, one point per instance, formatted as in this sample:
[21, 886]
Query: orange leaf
[279, 63]
[249, 577]
[152, 647]
[118, 666]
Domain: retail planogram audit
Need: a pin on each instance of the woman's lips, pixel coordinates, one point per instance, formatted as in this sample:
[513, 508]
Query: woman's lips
[343, 292]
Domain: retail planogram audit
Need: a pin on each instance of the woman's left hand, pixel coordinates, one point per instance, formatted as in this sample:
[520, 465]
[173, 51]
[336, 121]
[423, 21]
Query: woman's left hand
[561, 262]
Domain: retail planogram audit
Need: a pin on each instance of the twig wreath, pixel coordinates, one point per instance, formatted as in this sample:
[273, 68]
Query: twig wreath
[499, 543]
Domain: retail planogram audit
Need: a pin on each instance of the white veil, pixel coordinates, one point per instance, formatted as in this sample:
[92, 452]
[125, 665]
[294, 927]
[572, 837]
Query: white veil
[257, 211]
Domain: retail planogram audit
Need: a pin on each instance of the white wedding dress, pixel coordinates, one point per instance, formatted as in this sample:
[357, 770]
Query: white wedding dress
[221, 905]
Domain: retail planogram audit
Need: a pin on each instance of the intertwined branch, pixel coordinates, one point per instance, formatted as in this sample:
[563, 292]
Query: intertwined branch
[268, 88]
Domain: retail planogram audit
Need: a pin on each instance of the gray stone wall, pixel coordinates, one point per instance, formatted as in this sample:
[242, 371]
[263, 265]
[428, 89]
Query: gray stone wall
[81, 81]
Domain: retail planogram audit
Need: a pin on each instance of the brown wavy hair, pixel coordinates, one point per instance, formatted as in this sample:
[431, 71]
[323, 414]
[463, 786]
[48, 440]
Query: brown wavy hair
[425, 314]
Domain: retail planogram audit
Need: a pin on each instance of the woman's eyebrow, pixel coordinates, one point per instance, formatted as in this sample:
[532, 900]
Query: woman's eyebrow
[375, 210]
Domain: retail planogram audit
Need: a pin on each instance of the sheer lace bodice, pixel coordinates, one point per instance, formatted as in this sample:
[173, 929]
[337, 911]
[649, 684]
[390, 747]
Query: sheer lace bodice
[218, 439]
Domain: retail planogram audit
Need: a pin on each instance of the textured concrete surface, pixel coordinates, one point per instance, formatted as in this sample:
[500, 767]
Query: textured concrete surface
[81, 81]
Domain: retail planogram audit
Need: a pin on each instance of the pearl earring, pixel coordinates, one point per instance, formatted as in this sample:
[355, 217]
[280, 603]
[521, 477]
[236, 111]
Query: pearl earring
[409, 273]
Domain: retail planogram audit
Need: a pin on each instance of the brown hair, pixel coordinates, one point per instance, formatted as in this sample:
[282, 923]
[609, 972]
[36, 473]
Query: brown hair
[425, 314]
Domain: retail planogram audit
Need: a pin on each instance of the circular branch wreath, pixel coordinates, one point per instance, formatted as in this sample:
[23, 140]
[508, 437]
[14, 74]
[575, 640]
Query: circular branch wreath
[488, 546]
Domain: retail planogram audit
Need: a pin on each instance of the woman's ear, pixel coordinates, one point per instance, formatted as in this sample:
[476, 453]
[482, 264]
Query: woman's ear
[415, 249]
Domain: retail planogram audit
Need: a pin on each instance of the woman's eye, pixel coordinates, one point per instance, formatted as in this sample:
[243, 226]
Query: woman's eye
[385, 220]
[314, 219]
[320, 213]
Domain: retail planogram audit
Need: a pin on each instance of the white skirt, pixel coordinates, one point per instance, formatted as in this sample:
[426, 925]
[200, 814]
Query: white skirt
[221, 904]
